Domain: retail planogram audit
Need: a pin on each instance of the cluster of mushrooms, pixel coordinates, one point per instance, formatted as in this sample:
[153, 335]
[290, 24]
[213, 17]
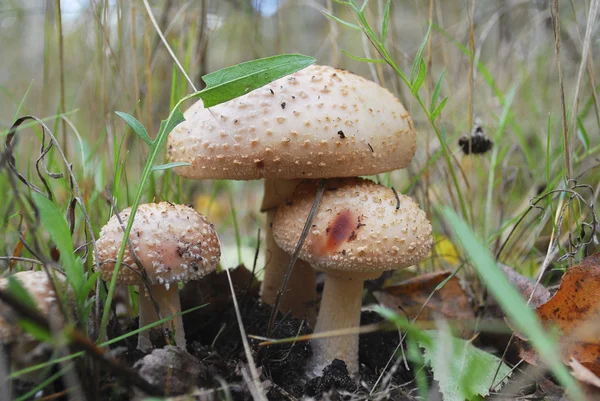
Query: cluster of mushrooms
[319, 123]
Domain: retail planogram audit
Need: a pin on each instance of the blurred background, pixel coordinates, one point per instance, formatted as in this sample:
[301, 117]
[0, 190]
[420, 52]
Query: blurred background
[88, 59]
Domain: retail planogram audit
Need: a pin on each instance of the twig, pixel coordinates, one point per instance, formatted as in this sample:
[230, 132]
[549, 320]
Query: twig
[258, 390]
[303, 235]
[164, 40]
[20, 259]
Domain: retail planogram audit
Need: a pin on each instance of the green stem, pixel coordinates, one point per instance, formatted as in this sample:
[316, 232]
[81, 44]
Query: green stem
[379, 46]
[155, 148]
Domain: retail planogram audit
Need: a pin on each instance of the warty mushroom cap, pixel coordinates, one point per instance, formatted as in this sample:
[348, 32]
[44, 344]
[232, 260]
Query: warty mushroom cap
[40, 289]
[358, 228]
[174, 243]
[319, 122]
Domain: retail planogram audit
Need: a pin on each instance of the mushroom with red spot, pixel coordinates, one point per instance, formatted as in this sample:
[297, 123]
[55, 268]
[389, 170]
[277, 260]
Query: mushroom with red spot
[173, 244]
[360, 230]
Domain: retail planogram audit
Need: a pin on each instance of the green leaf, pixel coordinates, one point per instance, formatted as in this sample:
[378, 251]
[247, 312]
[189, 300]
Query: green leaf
[436, 91]
[170, 166]
[364, 5]
[55, 224]
[174, 120]
[229, 83]
[439, 109]
[364, 59]
[136, 126]
[509, 299]
[341, 21]
[420, 77]
[417, 60]
[462, 370]
[386, 19]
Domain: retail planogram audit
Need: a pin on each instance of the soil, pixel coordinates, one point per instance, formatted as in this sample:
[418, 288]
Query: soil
[215, 354]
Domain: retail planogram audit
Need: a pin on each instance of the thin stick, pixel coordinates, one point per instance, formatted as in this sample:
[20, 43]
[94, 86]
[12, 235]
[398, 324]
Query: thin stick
[164, 40]
[62, 76]
[20, 259]
[303, 235]
[258, 390]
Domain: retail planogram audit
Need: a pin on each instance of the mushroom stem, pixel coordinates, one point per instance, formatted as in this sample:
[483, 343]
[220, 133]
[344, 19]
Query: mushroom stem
[300, 294]
[340, 309]
[168, 304]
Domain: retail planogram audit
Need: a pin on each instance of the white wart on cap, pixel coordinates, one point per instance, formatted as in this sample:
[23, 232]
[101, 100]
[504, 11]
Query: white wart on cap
[173, 243]
[319, 122]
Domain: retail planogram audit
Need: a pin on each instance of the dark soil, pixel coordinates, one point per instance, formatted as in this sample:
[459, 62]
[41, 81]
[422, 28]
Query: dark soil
[216, 353]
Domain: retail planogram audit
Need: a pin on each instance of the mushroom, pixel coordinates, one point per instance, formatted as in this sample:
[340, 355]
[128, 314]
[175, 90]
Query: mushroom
[320, 122]
[25, 350]
[360, 230]
[173, 244]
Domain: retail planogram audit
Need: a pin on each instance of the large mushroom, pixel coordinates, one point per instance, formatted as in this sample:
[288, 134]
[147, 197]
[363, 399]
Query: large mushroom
[320, 122]
[360, 230]
[173, 244]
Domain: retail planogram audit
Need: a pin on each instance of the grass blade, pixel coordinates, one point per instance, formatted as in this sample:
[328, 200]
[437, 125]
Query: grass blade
[363, 59]
[510, 300]
[385, 22]
[420, 77]
[436, 91]
[341, 21]
[136, 126]
[169, 166]
[418, 56]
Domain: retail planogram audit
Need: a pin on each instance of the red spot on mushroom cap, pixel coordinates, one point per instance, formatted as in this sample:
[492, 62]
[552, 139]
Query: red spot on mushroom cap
[339, 230]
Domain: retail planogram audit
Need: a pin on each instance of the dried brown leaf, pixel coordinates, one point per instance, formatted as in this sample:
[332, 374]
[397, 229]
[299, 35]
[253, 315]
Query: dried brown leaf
[575, 310]
[450, 301]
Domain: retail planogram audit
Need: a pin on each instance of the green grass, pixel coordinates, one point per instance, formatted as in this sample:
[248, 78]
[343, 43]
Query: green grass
[111, 64]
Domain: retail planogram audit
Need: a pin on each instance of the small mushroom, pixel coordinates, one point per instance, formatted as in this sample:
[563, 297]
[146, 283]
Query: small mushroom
[361, 229]
[173, 244]
[320, 122]
[25, 350]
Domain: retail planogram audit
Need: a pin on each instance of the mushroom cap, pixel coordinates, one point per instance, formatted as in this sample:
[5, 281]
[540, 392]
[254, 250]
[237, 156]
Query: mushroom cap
[40, 289]
[174, 243]
[320, 122]
[357, 228]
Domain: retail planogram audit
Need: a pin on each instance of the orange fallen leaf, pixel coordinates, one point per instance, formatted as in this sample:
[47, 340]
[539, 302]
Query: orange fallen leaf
[575, 310]
[449, 301]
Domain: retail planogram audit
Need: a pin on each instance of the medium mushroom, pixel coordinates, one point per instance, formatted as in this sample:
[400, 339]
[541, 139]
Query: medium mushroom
[360, 230]
[320, 122]
[173, 244]
[25, 350]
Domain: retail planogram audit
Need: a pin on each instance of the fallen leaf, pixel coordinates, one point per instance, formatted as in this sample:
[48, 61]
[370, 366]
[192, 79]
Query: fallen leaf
[526, 286]
[575, 310]
[413, 296]
[463, 371]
